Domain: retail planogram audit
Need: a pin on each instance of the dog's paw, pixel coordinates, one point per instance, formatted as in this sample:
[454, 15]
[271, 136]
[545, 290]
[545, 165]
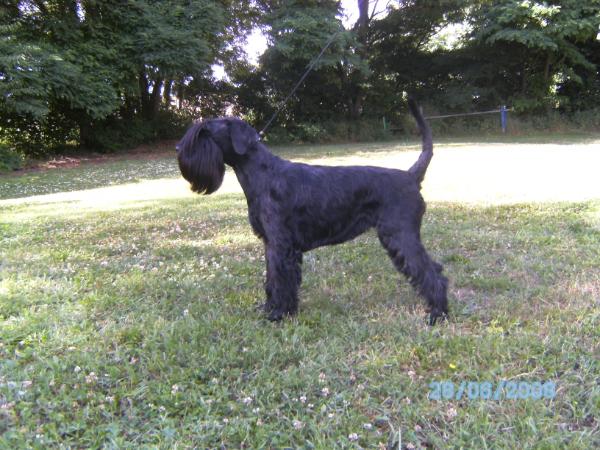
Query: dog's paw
[436, 315]
[276, 315]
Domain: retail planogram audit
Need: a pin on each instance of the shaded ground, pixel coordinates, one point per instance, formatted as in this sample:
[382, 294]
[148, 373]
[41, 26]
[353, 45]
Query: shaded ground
[143, 152]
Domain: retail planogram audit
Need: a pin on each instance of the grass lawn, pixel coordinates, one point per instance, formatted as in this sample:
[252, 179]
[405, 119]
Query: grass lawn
[127, 311]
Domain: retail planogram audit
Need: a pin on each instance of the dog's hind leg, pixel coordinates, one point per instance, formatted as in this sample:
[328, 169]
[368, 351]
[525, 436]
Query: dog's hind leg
[410, 258]
[284, 275]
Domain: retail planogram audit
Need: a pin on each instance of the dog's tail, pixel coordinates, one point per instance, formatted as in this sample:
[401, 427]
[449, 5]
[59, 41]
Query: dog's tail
[419, 168]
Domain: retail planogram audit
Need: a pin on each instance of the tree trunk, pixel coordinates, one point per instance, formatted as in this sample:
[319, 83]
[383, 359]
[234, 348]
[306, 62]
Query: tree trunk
[150, 99]
[547, 70]
[87, 139]
[356, 106]
[524, 81]
[130, 107]
[144, 94]
[361, 27]
[363, 18]
[167, 93]
[155, 99]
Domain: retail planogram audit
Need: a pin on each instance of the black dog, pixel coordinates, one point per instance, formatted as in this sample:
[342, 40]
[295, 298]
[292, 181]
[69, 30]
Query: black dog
[297, 207]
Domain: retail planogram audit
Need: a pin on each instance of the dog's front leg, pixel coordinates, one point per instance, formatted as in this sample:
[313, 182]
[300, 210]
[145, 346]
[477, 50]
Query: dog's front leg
[283, 280]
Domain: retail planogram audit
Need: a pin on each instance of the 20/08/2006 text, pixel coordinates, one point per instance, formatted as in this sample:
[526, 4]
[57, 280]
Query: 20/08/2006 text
[487, 390]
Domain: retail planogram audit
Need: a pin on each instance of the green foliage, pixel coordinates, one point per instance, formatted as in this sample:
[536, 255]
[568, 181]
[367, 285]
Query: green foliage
[554, 121]
[10, 159]
[299, 31]
[99, 63]
[101, 74]
[176, 38]
[587, 120]
[330, 131]
[39, 136]
[54, 64]
[540, 45]
[114, 134]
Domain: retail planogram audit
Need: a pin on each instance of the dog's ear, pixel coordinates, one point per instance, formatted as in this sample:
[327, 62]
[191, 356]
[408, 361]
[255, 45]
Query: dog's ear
[201, 160]
[243, 136]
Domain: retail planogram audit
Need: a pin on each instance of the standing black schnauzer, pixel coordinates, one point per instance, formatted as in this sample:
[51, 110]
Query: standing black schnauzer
[297, 207]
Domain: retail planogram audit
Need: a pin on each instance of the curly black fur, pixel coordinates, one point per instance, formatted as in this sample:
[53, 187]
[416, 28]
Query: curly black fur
[201, 161]
[296, 207]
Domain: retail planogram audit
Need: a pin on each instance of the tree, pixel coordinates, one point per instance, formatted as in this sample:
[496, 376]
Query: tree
[93, 63]
[539, 43]
[402, 58]
[113, 73]
[297, 32]
[512, 51]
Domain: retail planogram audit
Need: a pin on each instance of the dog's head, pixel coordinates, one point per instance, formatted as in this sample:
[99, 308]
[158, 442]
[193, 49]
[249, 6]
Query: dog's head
[207, 146]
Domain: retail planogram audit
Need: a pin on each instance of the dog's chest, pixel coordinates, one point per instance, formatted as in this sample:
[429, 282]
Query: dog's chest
[254, 219]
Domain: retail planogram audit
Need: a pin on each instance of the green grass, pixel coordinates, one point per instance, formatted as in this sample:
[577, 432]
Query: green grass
[129, 322]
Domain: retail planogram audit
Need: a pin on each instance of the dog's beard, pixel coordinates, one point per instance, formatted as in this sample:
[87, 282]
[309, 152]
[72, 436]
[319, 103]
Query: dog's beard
[202, 165]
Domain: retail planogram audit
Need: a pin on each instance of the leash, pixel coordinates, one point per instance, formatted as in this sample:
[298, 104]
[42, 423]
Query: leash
[302, 78]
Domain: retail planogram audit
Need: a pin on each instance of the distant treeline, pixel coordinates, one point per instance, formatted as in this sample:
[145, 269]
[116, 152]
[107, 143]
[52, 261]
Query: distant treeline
[111, 74]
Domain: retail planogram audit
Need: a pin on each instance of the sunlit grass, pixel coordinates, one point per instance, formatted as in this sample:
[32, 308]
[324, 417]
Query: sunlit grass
[127, 313]
[486, 173]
